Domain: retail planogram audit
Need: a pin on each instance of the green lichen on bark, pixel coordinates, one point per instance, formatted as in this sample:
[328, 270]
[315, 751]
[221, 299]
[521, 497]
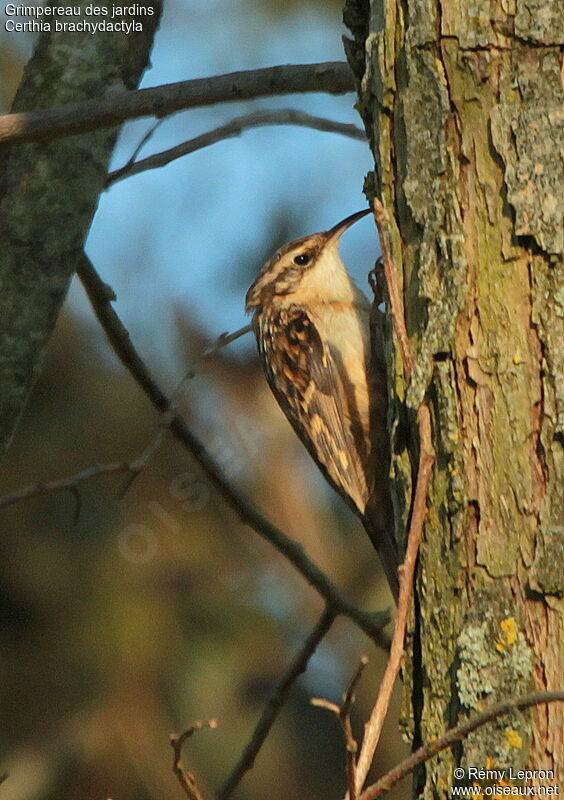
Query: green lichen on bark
[539, 22]
[528, 136]
[49, 192]
[495, 659]
[459, 96]
[546, 570]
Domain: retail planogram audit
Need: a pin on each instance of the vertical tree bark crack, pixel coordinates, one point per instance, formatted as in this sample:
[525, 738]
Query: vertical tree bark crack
[464, 115]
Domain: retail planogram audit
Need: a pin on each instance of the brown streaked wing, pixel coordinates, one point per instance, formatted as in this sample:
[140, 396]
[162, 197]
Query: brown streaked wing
[311, 389]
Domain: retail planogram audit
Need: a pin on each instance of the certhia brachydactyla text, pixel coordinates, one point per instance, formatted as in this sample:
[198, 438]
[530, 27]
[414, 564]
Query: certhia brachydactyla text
[313, 327]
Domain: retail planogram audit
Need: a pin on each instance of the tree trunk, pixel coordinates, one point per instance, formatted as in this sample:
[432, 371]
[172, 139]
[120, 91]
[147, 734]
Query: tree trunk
[49, 191]
[461, 103]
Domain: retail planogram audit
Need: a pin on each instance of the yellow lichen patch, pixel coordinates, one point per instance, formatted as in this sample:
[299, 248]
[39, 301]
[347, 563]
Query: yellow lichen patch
[514, 738]
[510, 629]
[509, 634]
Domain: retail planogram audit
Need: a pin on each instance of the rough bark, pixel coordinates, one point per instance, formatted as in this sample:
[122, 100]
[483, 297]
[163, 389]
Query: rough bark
[49, 192]
[462, 104]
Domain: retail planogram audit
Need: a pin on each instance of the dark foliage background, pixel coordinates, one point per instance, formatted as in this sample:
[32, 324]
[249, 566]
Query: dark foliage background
[157, 609]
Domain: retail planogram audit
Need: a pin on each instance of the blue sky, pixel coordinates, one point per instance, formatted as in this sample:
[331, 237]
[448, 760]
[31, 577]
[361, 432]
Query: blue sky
[192, 234]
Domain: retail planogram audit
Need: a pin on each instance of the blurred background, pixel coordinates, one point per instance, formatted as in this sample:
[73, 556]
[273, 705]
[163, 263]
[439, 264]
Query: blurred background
[159, 608]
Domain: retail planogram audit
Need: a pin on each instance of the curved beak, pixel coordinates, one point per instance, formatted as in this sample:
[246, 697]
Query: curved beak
[337, 230]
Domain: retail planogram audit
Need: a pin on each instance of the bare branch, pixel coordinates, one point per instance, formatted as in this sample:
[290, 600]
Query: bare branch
[224, 339]
[343, 712]
[396, 304]
[113, 108]
[328, 705]
[185, 778]
[135, 467]
[345, 716]
[349, 697]
[234, 127]
[101, 296]
[139, 464]
[66, 484]
[275, 703]
[142, 142]
[455, 735]
[373, 728]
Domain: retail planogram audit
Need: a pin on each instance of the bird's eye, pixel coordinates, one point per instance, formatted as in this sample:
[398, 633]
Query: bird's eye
[302, 259]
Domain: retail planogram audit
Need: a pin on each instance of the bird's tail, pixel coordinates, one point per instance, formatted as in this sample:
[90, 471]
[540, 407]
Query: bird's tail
[378, 517]
[379, 525]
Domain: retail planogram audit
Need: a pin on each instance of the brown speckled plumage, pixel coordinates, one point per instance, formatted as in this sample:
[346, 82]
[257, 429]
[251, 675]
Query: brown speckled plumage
[311, 388]
[312, 326]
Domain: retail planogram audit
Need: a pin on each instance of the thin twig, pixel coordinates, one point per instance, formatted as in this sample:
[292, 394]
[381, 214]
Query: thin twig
[349, 697]
[396, 304]
[274, 705]
[185, 778]
[139, 465]
[454, 735]
[134, 467]
[373, 728]
[351, 743]
[223, 340]
[234, 127]
[147, 136]
[343, 712]
[66, 484]
[334, 77]
[101, 297]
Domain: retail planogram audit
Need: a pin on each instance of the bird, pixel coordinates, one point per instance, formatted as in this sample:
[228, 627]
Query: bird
[321, 348]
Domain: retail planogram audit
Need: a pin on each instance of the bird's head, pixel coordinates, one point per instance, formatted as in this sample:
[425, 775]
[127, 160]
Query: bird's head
[299, 264]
